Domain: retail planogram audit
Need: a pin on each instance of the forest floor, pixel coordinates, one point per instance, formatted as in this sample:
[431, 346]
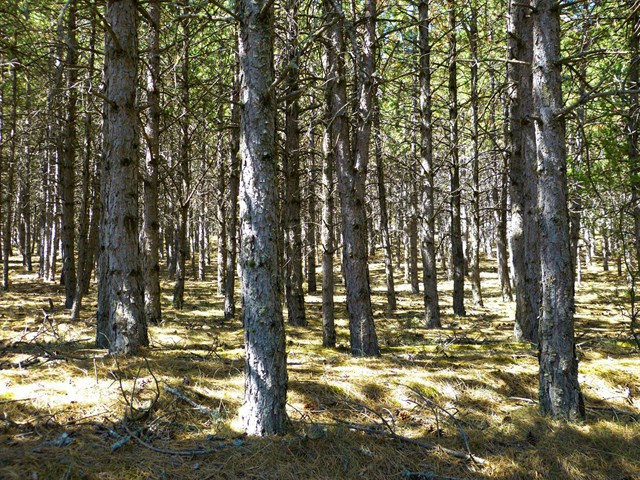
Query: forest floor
[466, 387]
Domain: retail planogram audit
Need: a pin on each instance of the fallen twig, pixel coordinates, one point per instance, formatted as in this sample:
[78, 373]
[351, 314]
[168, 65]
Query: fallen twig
[184, 398]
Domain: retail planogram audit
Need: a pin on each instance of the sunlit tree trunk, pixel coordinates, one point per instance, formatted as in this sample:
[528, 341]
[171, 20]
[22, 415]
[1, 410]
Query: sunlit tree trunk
[263, 411]
[559, 391]
[126, 330]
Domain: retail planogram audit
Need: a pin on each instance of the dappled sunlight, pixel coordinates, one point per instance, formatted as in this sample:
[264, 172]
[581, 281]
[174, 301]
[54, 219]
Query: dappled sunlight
[432, 385]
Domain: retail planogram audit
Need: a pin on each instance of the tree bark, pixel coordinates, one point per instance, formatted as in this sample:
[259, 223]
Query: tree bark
[457, 253]
[151, 223]
[633, 122]
[384, 215]
[126, 331]
[428, 224]
[311, 227]
[263, 411]
[352, 174]
[559, 391]
[294, 278]
[11, 166]
[524, 234]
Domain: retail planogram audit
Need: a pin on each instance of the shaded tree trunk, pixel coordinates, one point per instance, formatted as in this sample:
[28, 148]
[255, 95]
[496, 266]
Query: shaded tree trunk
[294, 292]
[457, 253]
[428, 224]
[151, 223]
[310, 234]
[263, 411]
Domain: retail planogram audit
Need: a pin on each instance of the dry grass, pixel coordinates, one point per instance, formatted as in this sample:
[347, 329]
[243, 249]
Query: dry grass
[53, 381]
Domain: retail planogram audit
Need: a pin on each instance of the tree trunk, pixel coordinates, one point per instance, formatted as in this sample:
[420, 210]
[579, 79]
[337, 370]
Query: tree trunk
[457, 253]
[85, 200]
[524, 234]
[151, 223]
[633, 124]
[559, 392]
[329, 59]
[8, 201]
[294, 292]
[183, 168]
[384, 216]
[310, 234]
[428, 224]
[352, 174]
[126, 331]
[232, 203]
[67, 164]
[263, 412]
[475, 162]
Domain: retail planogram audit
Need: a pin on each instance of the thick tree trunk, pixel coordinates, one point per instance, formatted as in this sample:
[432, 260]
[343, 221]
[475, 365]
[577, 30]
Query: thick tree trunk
[524, 234]
[384, 215]
[126, 331]
[457, 253]
[263, 412]
[294, 292]
[559, 392]
[428, 224]
[151, 223]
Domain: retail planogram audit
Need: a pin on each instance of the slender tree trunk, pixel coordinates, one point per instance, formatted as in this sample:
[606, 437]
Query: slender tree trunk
[67, 166]
[475, 162]
[151, 223]
[559, 391]
[384, 216]
[310, 234]
[222, 220]
[232, 203]
[428, 224]
[25, 200]
[126, 331]
[352, 174]
[182, 250]
[524, 223]
[329, 60]
[633, 135]
[11, 166]
[263, 412]
[291, 165]
[457, 253]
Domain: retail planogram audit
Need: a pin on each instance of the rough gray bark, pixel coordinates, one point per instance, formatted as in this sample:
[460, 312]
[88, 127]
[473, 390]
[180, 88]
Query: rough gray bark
[559, 391]
[150, 222]
[328, 189]
[232, 203]
[126, 331]
[500, 194]
[222, 219]
[524, 227]
[457, 253]
[67, 163]
[428, 224]
[263, 411]
[352, 174]
[384, 215]
[294, 278]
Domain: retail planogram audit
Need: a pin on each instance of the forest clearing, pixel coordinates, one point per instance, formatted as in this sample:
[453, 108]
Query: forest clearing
[480, 381]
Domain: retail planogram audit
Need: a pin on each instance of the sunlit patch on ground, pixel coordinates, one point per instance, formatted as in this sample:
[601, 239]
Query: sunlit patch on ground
[467, 385]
